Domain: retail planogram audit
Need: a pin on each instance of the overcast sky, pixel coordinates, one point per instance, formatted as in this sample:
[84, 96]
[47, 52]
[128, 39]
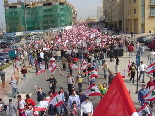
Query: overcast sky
[85, 8]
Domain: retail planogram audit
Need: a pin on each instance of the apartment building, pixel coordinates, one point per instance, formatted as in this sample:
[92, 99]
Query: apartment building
[137, 16]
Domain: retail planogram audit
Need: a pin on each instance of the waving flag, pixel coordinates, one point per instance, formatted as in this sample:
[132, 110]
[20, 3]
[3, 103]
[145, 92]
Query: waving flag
[73, 66]
[151, 68]
[144, 111]
[93, 91]
[123, 74]
[42, 105]
[94, 74]
[52, 67]
[42, 69]
[150, 96]
[56, 100]
[84, 65]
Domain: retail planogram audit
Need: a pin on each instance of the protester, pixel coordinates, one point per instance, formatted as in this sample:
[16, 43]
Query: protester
[105, 69]
[103, 88]
[3, 108]
[117, 65]
[2, 74]
[132, 72]
[150, 83]
[12, 109]
[40, 94]
[75, 111]
[72, 98]
[79, 79]
[14, 85]
[141, 93]
[21, 105]
[130, 50]
[142, 68]
[24, 71]
[52, 83]
[29, 101]
[86, 108]
[151, 56]
[81, 96]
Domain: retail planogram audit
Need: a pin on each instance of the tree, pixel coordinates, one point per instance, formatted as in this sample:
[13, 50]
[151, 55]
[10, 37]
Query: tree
[20, 27]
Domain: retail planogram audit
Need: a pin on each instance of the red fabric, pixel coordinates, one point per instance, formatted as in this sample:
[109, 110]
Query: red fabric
[130, 49]
[149, 84]
[30, 101]
[21, 112]
[117, 101]
[75, 59]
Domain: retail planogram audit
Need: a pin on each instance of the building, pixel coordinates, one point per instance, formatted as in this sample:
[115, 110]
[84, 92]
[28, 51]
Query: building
[137, 16]
[100, 14]
[40, 15]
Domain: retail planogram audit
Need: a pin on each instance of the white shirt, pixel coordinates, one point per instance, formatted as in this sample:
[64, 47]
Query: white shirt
[86, 107]
[29, 112]
[21, 104]
[42, 55]
[142, 67]
[72, 99]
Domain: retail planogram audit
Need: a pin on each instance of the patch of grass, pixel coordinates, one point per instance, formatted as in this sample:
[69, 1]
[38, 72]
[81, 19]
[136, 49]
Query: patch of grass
[6, 66]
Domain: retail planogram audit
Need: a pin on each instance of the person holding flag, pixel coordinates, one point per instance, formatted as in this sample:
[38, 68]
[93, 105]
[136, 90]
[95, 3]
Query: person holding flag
[103, 88]
[52, 83]
[141, 93]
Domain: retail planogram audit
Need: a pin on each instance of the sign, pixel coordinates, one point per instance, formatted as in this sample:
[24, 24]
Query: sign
[137, 59]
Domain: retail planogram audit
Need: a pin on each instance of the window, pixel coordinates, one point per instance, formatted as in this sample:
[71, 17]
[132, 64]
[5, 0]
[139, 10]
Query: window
[152, 11]
[134, 11]
[134, 1]
[142, 2]
[152, 2]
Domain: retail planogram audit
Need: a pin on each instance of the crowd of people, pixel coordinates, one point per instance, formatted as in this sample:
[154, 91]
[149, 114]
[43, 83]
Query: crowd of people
[80, 45]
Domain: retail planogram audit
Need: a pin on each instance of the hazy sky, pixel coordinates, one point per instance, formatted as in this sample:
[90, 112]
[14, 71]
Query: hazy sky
[85, 8]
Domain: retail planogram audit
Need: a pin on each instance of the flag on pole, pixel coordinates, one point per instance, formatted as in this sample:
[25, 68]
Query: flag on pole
[42, 105]
[52, 67]
[151, 68]
[92, 91]
[73, 66]
[117, 101]
[150, 96]
[56, 100]
[144, 111]
[42, 69]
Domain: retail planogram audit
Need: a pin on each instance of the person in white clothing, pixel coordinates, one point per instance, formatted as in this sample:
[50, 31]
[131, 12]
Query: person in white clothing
[151, 56]
[86, 108]
[42, 55]
[21, 105]
[142, 68]
[73, 98]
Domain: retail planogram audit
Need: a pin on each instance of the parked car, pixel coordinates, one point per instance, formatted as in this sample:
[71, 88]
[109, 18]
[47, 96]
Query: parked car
[5, 58]
[4, 44]
[152, 45]
[142, 39]
[17, 39]
[2, 62]
[10, 41]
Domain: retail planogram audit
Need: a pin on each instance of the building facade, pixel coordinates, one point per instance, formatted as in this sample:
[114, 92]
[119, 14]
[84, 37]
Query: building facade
[39, 15]
[137, 16]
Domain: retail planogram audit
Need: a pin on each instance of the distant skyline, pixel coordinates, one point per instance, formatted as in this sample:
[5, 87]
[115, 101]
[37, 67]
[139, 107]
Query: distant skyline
[85, 8]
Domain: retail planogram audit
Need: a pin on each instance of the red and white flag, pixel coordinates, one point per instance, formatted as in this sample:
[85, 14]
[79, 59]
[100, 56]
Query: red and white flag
[42, 69]
[42, 105]
[94, 73]
[58, 41]
[84, 65]
[56, 100]
[151, 68]
[73, 66]
[52, 67]
[150, 96]
[93, 91]
[144, 111]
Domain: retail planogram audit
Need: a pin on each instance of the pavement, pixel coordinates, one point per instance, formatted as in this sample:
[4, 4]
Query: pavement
[32, 79]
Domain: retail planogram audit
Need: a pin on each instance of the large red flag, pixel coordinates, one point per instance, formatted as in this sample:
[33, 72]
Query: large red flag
[117, 101]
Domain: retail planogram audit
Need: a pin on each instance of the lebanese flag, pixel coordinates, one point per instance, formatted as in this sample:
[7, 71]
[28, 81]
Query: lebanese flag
[129, 64]
[56, 100]
[42, 69]
[117, 101]
[42, 105]
[58, 41]
[94, 74]
[73, 66]
[84, 65]
[123, 74]
[150, 96]
[52, 67]
[144, 111]
[151, 68]
[93, 91]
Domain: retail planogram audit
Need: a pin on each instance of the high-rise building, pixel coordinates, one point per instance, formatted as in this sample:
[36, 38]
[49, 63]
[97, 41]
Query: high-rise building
[40, 15]
[137, 16]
